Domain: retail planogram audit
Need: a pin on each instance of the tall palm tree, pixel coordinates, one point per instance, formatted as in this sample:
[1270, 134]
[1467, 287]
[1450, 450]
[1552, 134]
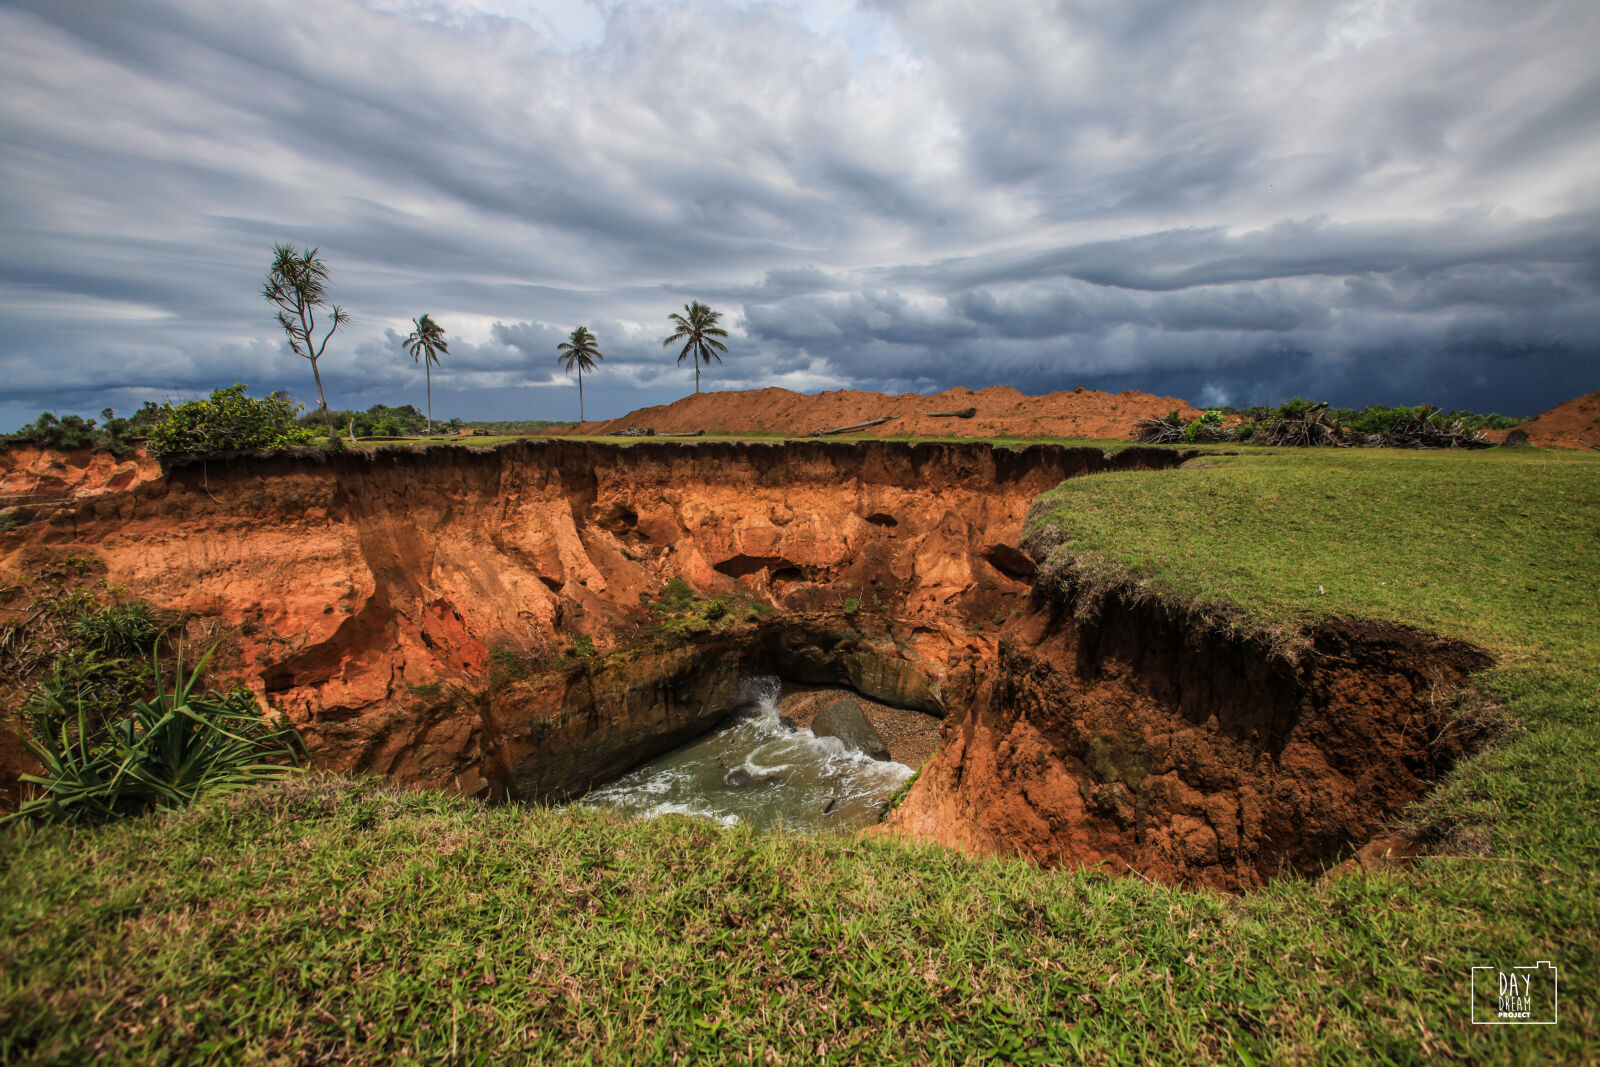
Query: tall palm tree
[425, 344]
[578, 350]
[298, 284]
[699, 332]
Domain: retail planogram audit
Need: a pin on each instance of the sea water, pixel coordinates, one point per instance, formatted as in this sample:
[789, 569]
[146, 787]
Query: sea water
[759, 772]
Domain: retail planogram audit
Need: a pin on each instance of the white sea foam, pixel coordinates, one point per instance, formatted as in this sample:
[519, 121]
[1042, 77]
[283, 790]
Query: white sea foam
[795, 780]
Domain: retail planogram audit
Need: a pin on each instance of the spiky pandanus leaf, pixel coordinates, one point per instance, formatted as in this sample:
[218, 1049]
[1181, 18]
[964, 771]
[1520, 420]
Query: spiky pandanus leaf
[167, 752]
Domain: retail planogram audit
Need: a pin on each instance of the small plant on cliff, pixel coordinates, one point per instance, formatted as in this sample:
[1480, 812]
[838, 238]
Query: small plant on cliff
[229, 421]
[165, 752]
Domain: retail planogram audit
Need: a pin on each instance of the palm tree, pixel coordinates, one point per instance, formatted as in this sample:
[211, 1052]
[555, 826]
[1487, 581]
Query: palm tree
[298, 284]
[578, 350]
[425, 344]
[698, 332]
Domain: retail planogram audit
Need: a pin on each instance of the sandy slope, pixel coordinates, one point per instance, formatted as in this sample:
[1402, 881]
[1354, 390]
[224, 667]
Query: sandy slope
[1575, 424]
[1002, 412]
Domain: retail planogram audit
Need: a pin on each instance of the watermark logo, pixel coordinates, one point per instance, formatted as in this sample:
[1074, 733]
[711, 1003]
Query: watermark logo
[1516, 996]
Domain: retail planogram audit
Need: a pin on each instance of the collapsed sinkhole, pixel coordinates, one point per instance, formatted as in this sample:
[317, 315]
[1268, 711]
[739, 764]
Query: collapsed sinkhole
[1134, 735]
[1142, 740]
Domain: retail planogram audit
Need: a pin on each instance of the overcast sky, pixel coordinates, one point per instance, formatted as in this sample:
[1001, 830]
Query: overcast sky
[1229, 202]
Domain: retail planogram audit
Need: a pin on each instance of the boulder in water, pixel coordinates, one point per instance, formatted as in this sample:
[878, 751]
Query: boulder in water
[742, 775]
[846, 721]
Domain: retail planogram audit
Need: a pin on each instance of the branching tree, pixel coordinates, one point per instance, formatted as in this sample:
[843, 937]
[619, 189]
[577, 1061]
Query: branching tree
[578, 350]
[298, 285]
[425, 344]
[698, 330]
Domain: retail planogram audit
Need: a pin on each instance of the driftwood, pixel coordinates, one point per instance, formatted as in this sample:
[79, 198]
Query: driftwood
[1162, 430]
[963, 413]
[1424, 430]
[649, 431]
[857, 426]
[1311, 429]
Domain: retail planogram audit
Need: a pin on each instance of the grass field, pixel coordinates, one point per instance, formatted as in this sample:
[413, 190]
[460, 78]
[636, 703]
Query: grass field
[330, 920]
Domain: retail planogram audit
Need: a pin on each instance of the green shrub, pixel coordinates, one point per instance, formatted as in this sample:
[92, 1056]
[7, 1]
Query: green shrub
[123, 630]
[852, 605]
[380, 420]
[676, 595]
[229, 421]
[69, 432]
[1210, 420]
[165, 752]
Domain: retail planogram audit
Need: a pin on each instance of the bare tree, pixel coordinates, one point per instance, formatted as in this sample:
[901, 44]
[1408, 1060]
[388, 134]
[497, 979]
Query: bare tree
[298, 284]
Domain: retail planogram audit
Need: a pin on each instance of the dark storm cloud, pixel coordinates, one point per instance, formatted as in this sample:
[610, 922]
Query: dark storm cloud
[1221, 200]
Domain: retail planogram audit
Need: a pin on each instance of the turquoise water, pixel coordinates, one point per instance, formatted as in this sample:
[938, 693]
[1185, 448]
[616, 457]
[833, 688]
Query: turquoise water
[758, 772]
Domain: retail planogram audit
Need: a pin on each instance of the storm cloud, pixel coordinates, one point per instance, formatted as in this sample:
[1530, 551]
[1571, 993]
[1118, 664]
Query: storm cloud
[1231, 202]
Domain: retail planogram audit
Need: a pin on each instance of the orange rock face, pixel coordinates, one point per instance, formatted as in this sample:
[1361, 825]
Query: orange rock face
[378, 597]
[33, 477]
[368, 587]
[1144, 741]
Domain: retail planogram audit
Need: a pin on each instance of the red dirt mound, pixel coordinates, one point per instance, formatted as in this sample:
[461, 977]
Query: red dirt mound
[1575, 424]
[1001, 412]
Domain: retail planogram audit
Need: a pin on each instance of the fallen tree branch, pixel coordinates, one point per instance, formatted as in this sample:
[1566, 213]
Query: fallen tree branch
[857, 426]
[963, 413]
[634, 431]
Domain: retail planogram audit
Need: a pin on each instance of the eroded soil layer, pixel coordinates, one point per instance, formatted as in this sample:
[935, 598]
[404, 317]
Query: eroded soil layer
[406, 608]
[1149, 739]
[368, 590]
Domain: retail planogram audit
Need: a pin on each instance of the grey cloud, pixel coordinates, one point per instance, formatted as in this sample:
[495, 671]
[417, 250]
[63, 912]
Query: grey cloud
[1224, 197]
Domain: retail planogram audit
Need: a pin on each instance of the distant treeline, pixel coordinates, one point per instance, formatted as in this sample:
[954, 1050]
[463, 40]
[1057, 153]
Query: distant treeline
[380, 420]
[74, 431]
[1381, 418]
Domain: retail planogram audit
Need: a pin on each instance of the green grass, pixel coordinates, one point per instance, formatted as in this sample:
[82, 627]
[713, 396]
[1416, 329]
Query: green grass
[334, 920]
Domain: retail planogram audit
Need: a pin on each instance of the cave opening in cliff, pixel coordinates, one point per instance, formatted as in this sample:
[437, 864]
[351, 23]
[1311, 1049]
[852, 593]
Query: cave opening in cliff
[787, 758]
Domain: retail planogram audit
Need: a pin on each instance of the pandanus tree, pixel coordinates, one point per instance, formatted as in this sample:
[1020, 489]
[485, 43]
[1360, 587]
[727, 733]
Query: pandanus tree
[425, 344]
[579, 351]
[698, 330]
[298, 284]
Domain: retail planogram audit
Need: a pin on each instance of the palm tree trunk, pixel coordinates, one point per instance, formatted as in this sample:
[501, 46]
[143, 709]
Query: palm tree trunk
[322, 402]
[697, 374]
[429, 370]
[580, 394]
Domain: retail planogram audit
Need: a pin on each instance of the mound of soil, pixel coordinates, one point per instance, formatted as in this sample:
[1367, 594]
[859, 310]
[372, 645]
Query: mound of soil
[1575, 424]
[1001, 412]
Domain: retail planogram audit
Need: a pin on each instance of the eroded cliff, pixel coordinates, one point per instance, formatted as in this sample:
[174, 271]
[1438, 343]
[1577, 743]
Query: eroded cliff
[369, 590]
[482, 620]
